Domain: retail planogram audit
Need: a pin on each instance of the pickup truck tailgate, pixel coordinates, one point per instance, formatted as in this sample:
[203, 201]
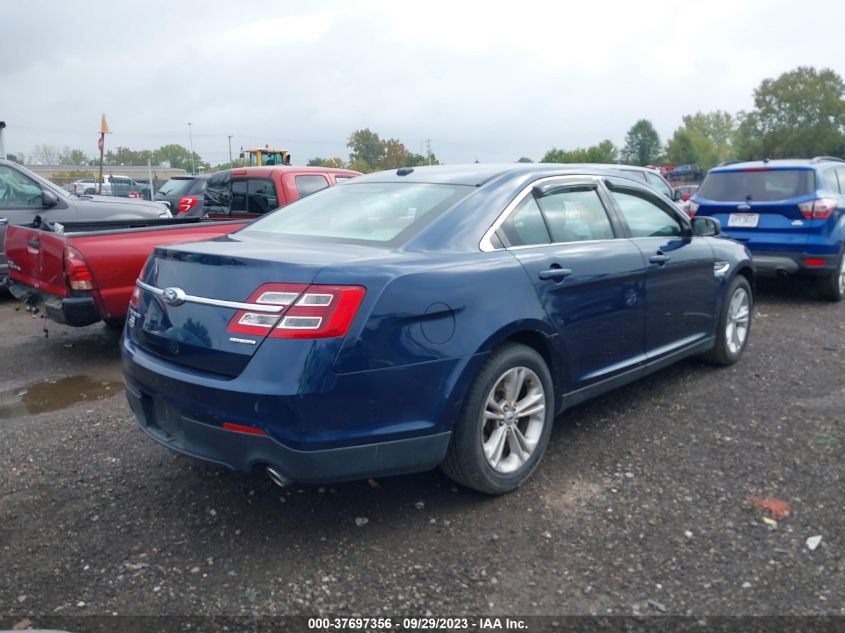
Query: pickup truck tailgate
[36, 259]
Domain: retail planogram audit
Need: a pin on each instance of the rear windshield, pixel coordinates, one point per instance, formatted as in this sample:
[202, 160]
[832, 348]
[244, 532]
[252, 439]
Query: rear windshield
[176, 186]
[760, 186]
[373, 212]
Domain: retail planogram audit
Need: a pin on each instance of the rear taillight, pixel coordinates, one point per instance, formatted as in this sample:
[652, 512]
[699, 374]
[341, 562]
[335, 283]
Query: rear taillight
[135, 299]
[819, 209]
[186, 203]
[316, 311]
[79, 276]
[692, 209]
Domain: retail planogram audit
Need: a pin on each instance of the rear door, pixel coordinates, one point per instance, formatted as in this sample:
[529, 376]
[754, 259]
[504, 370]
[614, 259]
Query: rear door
[681, 286]
[589, 280]
[759, 206]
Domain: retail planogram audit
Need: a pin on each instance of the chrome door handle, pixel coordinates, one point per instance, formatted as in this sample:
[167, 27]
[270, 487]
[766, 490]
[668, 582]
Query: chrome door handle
[659, 259]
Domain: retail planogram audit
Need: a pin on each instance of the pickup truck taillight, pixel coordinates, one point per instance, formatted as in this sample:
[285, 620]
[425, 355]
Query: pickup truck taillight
[76, 268]
[315, 311]
[186, 203]
[819, 209]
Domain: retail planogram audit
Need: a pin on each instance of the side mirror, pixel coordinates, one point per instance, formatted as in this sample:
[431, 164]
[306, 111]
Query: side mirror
[677, 195]
[48, 199]
[706, 226]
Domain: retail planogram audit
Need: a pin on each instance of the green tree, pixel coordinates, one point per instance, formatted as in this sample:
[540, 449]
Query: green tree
[73, 157]
[692, 147]
[394, 154]
[125, 156]
[642, 144]
[177, 156]
[604, 152]
[800, 114]
[333, 162]
[314, 162]
[524, 159]
[366, 147]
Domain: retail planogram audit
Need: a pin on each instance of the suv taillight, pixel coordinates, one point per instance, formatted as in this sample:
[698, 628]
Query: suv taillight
[79, 276]
[692, 209]
[135, 299]
[819, 209]
[186, 203]
[315, 311]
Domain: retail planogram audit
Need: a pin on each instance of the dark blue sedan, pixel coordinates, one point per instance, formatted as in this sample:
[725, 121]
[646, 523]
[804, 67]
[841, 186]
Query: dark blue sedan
[423, 317]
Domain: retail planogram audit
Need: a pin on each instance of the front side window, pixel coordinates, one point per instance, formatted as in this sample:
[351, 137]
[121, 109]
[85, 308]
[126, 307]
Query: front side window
[16, 190]
[306, 185]
[576, 215]
[645, 218]
[262, 196]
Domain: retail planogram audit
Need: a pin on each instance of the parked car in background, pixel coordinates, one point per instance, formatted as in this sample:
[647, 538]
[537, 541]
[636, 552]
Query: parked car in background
[789, 213]
[85, 272]
[183, 194]
[25, 196]
[425, 316]
[687, 191]
[651, 177]
[120, 186]
[253, 191]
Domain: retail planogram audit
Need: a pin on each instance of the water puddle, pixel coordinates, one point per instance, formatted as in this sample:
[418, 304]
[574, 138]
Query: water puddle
[54, 395]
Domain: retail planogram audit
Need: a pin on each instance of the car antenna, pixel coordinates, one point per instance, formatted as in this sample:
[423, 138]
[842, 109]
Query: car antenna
[404, 171]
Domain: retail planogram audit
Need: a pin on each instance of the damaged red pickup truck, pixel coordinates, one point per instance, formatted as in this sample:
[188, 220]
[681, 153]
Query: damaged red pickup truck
[85, 272]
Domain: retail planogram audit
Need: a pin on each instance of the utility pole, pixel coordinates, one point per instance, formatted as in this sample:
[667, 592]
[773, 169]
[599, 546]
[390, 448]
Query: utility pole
[428, 149]
[101, 143]
[230, 150]
[191, 141]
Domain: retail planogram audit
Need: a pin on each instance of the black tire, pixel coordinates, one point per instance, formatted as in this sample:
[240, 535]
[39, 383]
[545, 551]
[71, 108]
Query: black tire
[829, 287]
[115, 325]
[721, 354]
[465, 461]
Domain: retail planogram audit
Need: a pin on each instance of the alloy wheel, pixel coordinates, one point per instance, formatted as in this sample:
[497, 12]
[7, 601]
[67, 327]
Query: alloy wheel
[513, 418]
[739, 316]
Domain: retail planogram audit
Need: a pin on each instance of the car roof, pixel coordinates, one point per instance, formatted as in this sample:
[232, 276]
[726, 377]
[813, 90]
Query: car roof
[477, 174]
[779, 163]
[267, 170]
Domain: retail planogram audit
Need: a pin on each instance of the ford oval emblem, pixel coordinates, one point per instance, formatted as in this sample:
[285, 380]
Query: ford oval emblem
[173, 296]
[743, 207]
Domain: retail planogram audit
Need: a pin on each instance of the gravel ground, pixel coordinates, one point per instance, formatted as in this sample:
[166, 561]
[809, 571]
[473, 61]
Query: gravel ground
[642, 503]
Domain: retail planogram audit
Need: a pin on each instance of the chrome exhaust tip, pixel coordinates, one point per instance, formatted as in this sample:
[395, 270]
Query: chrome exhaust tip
[278, 478]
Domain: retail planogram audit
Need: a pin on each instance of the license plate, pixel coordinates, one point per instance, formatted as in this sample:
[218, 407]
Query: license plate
[744, 220]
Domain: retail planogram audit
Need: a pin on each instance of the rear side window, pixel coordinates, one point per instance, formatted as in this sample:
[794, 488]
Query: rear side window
[576, 215]
[766, 185]
[525, 225]
[645, 218]
[254, 196]
[831, 182]
[306, 185]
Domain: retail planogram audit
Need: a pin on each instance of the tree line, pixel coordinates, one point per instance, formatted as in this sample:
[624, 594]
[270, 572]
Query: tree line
[800, 114]
[175, 155]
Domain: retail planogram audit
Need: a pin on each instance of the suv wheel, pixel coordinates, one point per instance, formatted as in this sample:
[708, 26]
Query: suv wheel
[734, 324]
[506, 422]
[832, 286]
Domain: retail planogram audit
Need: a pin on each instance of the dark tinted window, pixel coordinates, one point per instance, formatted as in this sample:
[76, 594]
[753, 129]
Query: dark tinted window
[255, 196]
[525, 225]
[306, 185]
[765, 185]
[238, 196]
[645, 218]
[176, 187]
[576, 215]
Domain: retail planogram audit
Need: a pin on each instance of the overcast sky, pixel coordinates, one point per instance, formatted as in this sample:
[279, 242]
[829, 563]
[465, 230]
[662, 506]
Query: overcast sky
[486, 80]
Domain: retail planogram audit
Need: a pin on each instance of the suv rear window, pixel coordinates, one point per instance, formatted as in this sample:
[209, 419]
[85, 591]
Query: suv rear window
[764, 185]
[176, 186]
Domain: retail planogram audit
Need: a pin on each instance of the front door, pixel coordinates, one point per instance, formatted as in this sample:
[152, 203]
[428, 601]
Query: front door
[681, 286]
[590, 281]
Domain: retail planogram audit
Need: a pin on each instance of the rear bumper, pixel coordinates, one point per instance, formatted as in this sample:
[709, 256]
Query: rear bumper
[207, 441]
[782, 264]
[73, 311]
